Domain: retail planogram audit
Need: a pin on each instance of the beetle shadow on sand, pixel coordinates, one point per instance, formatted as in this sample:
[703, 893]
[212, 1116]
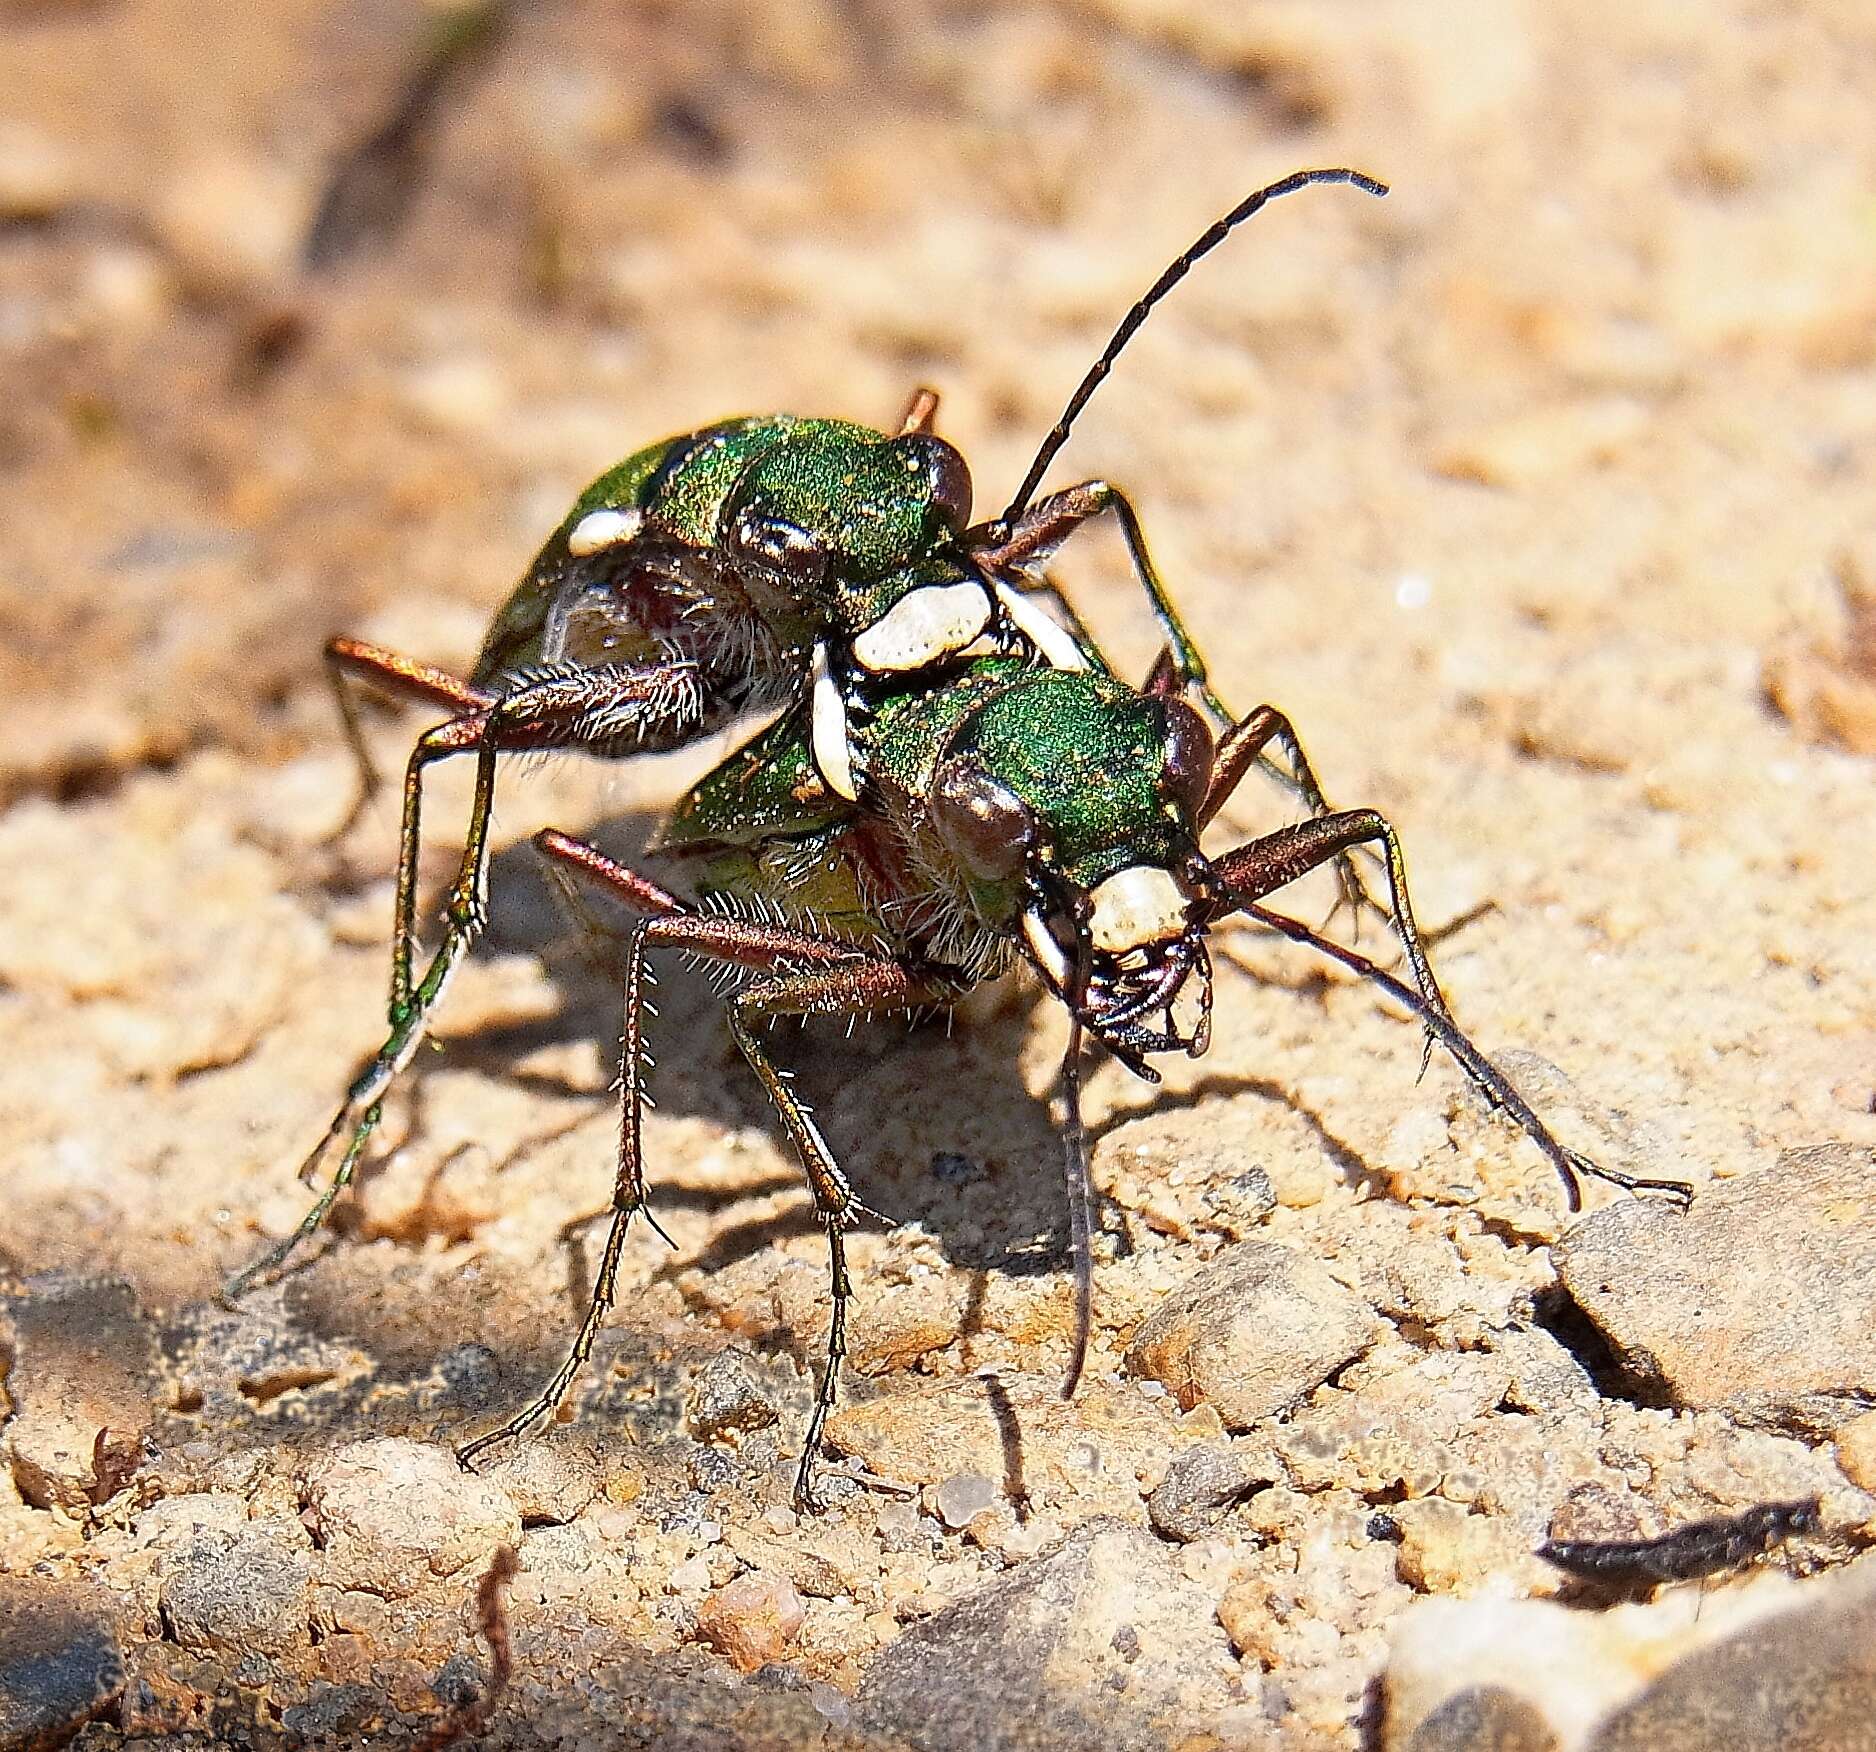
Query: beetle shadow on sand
[934, 1125]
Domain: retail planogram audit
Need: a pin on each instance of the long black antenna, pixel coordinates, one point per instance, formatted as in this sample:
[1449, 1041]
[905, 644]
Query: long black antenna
[1130, 323]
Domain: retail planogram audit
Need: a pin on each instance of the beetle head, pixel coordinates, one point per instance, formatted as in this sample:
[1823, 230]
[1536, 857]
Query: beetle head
[1069, 804]
[835, 507]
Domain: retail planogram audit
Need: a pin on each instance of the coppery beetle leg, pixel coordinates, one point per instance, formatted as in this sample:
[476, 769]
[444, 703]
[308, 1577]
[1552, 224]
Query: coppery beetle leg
[809, 975]
[590, 708]
[403, 678]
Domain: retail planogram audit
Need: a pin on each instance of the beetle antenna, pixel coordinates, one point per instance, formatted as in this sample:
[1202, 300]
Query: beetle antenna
[1130, 323]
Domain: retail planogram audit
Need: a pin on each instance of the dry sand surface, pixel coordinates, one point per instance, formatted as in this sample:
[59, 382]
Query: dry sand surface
[1539, 495]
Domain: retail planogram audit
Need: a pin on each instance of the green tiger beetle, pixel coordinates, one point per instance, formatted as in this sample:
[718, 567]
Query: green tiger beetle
[957, 782]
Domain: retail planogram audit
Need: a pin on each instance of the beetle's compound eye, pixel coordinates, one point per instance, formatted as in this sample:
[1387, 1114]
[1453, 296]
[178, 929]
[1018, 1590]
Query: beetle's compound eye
[760, 538]
[1189, 755]
[986, 826]
[947, 476]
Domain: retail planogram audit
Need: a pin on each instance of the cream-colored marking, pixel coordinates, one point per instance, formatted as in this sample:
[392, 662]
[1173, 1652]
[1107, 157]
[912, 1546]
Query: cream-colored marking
[603, 529]
[1047, 634]
[924, 625]
[828, 727]
[1141, 904]
[1043, 945]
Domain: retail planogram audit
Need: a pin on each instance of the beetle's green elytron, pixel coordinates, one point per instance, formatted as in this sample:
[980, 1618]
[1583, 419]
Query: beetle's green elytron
[957, 782]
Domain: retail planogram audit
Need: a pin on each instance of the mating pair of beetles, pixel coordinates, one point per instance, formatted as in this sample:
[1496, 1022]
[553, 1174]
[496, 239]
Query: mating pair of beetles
[952, 781]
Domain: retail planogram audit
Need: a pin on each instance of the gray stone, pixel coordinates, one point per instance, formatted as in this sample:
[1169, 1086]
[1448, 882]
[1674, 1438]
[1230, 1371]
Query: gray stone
[1252, 1334]
[79, 1361]
[1803, 1681]
[727, 1399]
[1484, 1718]
[1101, 1643]
[59, 1660]
[1757, 1300]
[1239, 1204]
[1199, 1485]
[235, 1591]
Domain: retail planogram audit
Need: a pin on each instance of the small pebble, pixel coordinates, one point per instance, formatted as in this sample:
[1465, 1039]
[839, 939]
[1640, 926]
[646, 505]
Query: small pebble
[1199, 1485]
[727, 1399]
[1252, 1333]
[753, 1620]
[962, 1496]
[692, 1576]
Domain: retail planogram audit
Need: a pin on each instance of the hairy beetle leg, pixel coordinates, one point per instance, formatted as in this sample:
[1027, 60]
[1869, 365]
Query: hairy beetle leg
[651, 705]
[403, 678]
[807, 975]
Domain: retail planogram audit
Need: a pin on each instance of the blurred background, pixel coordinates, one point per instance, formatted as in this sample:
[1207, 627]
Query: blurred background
[314, 316]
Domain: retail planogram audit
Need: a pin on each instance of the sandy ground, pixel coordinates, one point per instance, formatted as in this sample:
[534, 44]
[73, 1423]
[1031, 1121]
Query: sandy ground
[1538, 495]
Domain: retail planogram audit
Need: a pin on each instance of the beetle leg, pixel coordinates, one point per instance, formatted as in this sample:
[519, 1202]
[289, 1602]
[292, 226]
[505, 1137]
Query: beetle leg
[404, 678]
[806, 975]
[1493, 1086]
[608, 710]
[1239, 749]
[1049, 522]
[921, 412]
[1278, 859]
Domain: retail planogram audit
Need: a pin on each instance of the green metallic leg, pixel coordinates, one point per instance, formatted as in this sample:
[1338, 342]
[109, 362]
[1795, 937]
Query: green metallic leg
[1048, 523]
[598, 708]
[1270, 863]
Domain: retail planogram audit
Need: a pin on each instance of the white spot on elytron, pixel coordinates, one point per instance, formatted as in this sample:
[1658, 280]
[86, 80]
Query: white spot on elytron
[1048, 952]
[603, 529]
[1047, 635]
[1413, 590]
[828, 730]
[1140, 904]
[923, 626]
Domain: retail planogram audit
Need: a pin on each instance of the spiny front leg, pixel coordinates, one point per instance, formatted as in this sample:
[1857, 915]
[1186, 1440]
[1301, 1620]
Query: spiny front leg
[606, 709]
[403, 678]
[1494, 1087]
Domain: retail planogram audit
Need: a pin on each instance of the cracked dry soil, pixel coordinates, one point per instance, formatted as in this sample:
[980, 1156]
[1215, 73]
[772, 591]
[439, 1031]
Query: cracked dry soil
[1538, 496]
